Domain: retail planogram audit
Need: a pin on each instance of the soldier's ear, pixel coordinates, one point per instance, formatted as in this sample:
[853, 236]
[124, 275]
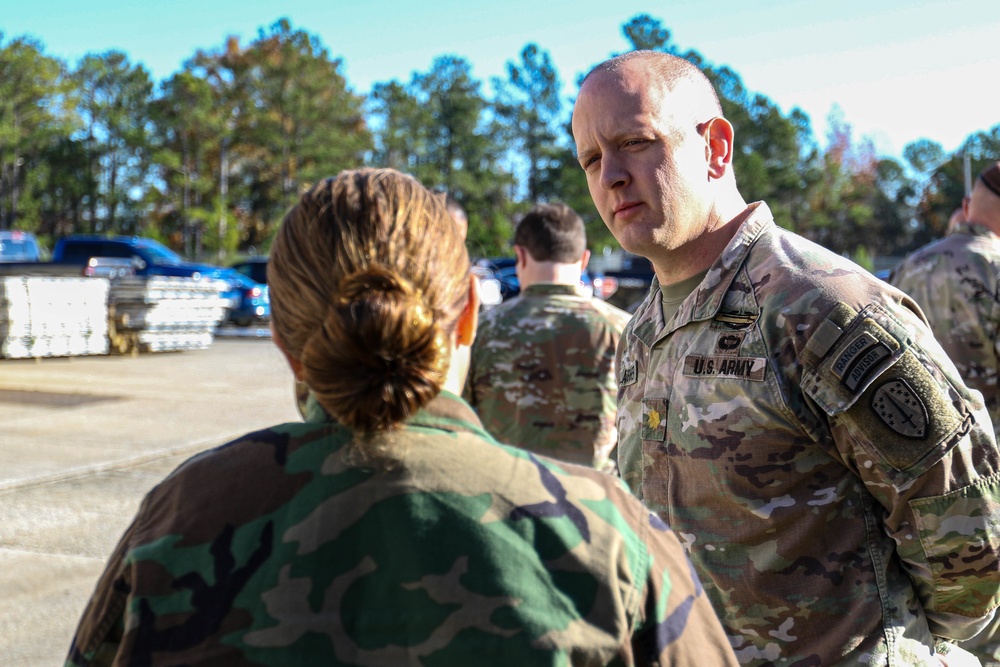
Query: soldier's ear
[520, 255]
[718, 134]
[468, 320]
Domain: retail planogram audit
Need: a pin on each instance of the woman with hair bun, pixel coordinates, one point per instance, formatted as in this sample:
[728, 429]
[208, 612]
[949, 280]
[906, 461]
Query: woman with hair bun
[389, 528]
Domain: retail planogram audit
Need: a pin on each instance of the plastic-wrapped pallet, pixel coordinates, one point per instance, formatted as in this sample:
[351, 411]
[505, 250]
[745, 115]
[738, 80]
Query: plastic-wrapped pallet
[53, 316]
[159, 313]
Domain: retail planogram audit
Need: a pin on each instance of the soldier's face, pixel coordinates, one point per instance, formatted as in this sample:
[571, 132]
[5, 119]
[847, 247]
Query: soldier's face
[647, 168]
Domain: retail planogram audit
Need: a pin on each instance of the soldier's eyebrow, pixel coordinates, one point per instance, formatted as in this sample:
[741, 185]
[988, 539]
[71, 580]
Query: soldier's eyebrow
[582, 156]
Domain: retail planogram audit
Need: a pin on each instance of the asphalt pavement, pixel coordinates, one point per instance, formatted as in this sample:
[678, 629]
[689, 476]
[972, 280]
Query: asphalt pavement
[81, 441]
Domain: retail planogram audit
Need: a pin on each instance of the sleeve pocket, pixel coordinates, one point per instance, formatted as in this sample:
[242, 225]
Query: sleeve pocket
[960, 535]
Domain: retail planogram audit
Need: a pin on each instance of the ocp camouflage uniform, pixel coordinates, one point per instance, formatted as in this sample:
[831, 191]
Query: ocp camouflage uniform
[835, 482]
[955, 282]
[543, 373]
[275, 550]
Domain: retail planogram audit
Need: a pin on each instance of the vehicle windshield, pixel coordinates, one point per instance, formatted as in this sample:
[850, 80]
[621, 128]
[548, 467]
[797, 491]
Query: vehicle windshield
[236, 278]
[18, 249]
[161, 253]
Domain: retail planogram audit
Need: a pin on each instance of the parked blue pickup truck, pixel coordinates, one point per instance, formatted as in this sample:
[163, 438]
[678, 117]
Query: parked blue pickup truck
[148, 256]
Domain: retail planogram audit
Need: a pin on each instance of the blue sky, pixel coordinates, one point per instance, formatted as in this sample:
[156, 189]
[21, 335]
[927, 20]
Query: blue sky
[899, 70]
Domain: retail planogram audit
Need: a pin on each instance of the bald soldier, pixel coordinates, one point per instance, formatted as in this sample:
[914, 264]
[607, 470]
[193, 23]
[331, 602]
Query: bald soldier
[956, 281]
[791, 416]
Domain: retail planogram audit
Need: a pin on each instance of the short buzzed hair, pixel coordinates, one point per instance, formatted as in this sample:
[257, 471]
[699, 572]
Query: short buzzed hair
[552, 233]
[672, 70]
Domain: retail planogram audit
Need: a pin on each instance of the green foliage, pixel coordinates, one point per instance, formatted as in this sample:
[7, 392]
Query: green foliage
[863, 258]
[209, 160]
[276, 117]
[945, 182]
[924, 155]
[438, 128]
[647, 33]
[32, 121]
[114, 98]
[527, 107]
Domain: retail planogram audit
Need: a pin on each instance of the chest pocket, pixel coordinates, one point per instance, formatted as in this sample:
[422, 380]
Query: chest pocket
[870, 374]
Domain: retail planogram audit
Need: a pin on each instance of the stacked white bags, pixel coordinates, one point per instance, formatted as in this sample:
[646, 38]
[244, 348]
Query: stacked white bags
[162, 314]
[53, 317]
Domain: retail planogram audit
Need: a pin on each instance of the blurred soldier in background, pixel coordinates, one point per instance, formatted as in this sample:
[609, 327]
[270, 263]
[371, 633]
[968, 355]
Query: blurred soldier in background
[543, 364]
[955, 282]
[458, 214]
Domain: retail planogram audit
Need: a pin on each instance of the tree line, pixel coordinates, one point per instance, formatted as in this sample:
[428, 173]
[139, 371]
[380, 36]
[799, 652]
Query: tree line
[209, 160]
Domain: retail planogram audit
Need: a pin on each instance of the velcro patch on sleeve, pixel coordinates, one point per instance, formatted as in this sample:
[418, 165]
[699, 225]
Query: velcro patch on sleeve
[861, 357]
[907, 416]
[852, 362]
[899, 409]
[725, 366]
[628, 374]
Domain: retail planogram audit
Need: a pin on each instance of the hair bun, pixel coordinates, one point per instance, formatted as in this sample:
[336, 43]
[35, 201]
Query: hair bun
[375, 279]
[380, 354]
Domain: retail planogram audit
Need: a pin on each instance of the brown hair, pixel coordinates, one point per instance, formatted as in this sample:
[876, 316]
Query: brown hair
[552, 233]
[368, 276]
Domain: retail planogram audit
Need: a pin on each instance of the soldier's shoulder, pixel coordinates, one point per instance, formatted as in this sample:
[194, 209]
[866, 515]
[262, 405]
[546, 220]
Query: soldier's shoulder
[266, 447]
[610, 313]
[942, 249]
[500, 316]
[578, 476]
[819, 286]
[812, 261]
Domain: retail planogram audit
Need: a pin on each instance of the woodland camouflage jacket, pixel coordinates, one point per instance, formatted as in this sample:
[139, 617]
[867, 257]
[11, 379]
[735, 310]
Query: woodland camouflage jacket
[834, 480]
[274, 550]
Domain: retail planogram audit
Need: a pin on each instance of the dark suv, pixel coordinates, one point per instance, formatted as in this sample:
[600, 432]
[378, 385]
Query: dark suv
[254, 268]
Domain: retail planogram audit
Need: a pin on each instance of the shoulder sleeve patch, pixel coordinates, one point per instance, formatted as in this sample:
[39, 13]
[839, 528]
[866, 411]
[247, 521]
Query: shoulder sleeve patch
[851, 364]
[907, 415]
[897, 407]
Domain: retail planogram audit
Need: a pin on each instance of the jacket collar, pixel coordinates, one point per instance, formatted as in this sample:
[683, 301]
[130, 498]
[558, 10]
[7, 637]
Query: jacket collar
[446, 411]
[973, 228]
[545, 289]
[723, 293]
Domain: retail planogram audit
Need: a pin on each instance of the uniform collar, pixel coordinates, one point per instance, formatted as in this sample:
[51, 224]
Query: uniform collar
[547, 289]
[446, 412]
[449, 412]
[972, 228]
[714, 296]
